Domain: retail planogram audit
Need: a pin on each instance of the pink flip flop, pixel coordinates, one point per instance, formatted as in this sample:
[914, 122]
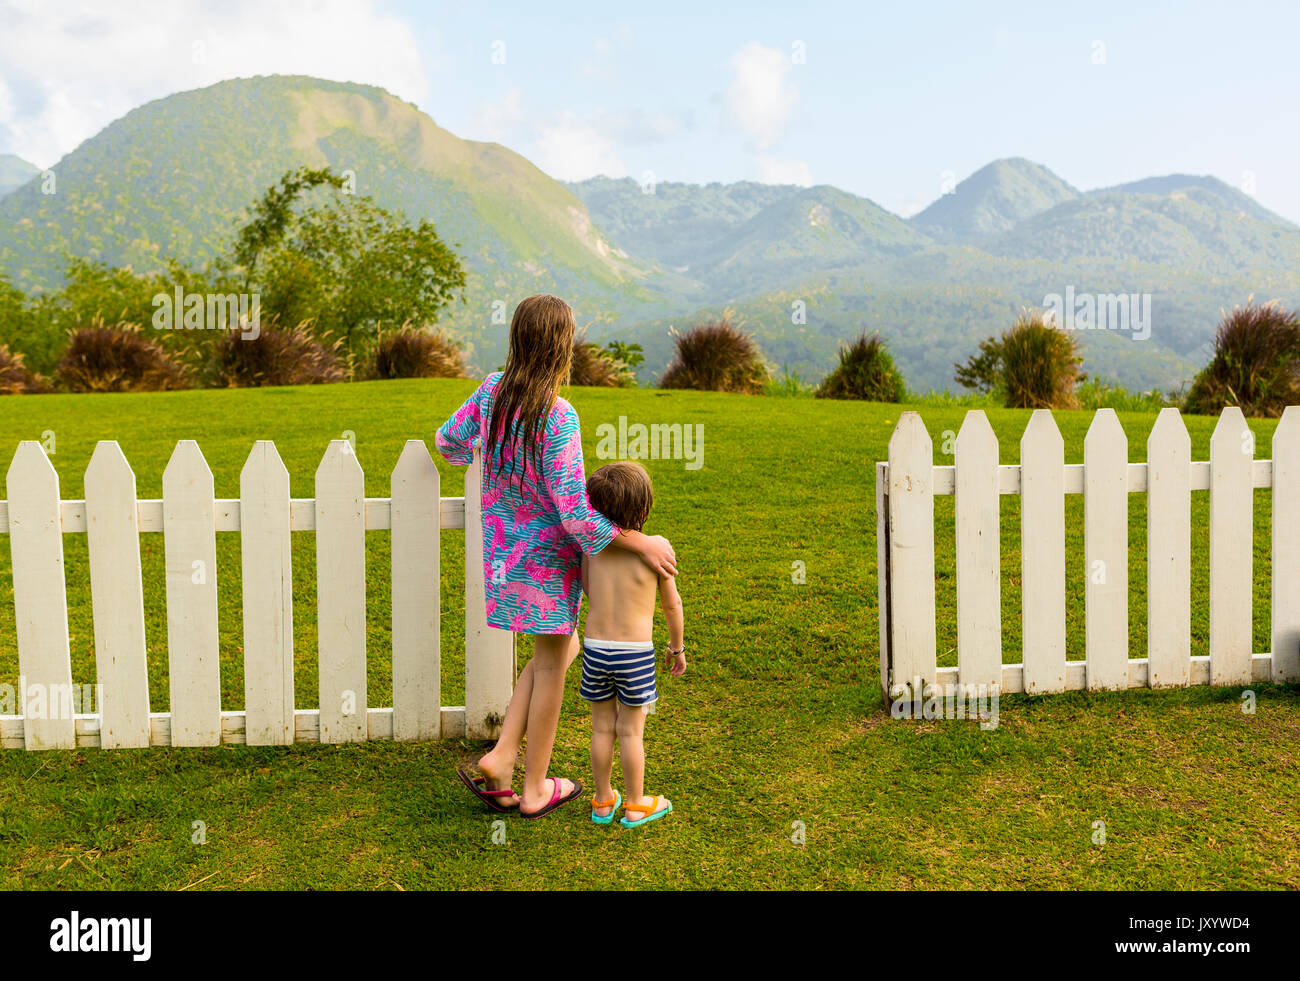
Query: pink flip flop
[478, 787]
[556, 800]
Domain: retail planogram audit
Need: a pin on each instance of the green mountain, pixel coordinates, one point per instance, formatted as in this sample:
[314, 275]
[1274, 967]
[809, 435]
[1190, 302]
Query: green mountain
[175, 176]
[724, 241]
[805, 268]
[993, 199]
[15, 172]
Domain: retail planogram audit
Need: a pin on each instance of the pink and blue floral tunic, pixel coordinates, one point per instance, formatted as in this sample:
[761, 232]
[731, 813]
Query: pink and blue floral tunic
[535, 529]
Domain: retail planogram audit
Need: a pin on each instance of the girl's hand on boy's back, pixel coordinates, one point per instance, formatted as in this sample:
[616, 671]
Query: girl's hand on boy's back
[655, 551]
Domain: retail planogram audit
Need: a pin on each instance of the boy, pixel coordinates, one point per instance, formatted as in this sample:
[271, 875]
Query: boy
[618, 670]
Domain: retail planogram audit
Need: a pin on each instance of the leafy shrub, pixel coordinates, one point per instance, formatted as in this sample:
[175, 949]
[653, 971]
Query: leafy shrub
[15, 378]
[1031, 366]
[1256, 363]
[413, 353]
[717, 357]
[789, 384]
[117, 359]
[597, 367]
[1098, 394]
[276, 356]
[866, 371]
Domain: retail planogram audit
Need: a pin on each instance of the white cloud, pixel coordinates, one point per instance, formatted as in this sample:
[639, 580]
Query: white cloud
[571, 149]
[72, 68]
[773, 171]
[760, 101]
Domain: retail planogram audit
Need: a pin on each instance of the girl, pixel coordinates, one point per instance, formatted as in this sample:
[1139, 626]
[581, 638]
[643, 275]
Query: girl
[537, 523]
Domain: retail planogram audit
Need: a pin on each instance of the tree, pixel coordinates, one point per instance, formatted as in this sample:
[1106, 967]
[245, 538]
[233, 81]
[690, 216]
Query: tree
[343, 263]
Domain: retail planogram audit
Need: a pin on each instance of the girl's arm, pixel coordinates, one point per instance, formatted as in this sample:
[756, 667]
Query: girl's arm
[457, 435]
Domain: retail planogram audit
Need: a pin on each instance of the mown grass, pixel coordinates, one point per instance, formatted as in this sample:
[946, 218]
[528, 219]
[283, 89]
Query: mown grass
[777, 727]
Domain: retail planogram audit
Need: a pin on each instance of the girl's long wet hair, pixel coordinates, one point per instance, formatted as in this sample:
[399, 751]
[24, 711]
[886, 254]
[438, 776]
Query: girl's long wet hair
[541, 353]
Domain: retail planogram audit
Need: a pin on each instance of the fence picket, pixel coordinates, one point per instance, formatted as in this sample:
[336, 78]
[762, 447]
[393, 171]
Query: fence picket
[40, 598]
[417, 673]
[341, 594]
[489, 652]
[911, 555]
[1286, 547]
[190, 548]
[1232, 452]
[1105, 532]
[1169, 552]
[979, 594]
[1042, 554]
[268, 597]
[117, 599]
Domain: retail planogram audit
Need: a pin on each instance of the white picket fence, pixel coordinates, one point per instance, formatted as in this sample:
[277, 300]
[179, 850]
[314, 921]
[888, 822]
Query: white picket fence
[907, 484]
[189, 518]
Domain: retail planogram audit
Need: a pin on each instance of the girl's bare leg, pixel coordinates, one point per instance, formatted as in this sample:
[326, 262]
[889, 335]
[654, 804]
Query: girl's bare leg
[498, 764]
[552, 655]
[604, 717]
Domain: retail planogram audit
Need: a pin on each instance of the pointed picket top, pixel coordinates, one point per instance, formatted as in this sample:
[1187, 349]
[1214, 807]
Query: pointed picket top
[1104, 431]
[911, 455]
[1168, 432]
[263, 470]
[30, 467]
[1286, 547]
[1041, 431]
[1232, 436]
[186, 468]
[340, 460]
[976, 434]
[415, 463]
[108, 463]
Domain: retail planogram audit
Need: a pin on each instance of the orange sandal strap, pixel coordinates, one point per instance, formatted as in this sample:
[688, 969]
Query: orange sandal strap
[605, 803]
[655, 798]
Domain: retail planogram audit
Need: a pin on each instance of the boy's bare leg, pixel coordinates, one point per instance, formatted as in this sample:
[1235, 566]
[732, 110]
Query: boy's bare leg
[552, 655]
[604, 718]
[631, 751]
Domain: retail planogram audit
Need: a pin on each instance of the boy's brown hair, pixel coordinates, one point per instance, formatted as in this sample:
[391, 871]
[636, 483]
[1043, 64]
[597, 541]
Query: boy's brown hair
[622, 492]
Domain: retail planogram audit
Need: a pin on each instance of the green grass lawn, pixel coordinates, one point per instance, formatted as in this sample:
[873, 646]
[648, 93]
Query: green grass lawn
[778, 726]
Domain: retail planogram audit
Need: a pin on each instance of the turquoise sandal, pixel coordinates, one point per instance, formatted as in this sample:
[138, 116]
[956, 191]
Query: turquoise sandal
[653, 814]
[612, 804]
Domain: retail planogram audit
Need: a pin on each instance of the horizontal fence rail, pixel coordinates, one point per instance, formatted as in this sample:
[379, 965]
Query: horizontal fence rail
[189, 516]
[908, 482]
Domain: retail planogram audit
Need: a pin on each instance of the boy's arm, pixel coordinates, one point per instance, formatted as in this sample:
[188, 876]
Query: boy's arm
[671, 602]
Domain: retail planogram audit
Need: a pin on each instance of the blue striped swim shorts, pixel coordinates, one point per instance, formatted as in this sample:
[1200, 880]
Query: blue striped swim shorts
[622, 668]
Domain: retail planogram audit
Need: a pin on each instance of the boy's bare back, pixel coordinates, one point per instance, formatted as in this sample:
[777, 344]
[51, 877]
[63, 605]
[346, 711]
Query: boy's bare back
[621, 594]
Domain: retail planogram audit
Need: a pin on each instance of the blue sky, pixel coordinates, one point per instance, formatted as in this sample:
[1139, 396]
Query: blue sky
[884, 100]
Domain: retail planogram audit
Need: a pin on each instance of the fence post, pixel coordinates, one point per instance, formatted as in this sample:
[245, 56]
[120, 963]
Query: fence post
[1286, 547]
[1232, 456]
[268, 598]
[1169, 552]
[417, 590]
[911, 557]
[1105, 559]
[978, 554]
[190, 546]
[489, 652]
[341, 594]
[117, 599]
[40, 595]
[1042, 554]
